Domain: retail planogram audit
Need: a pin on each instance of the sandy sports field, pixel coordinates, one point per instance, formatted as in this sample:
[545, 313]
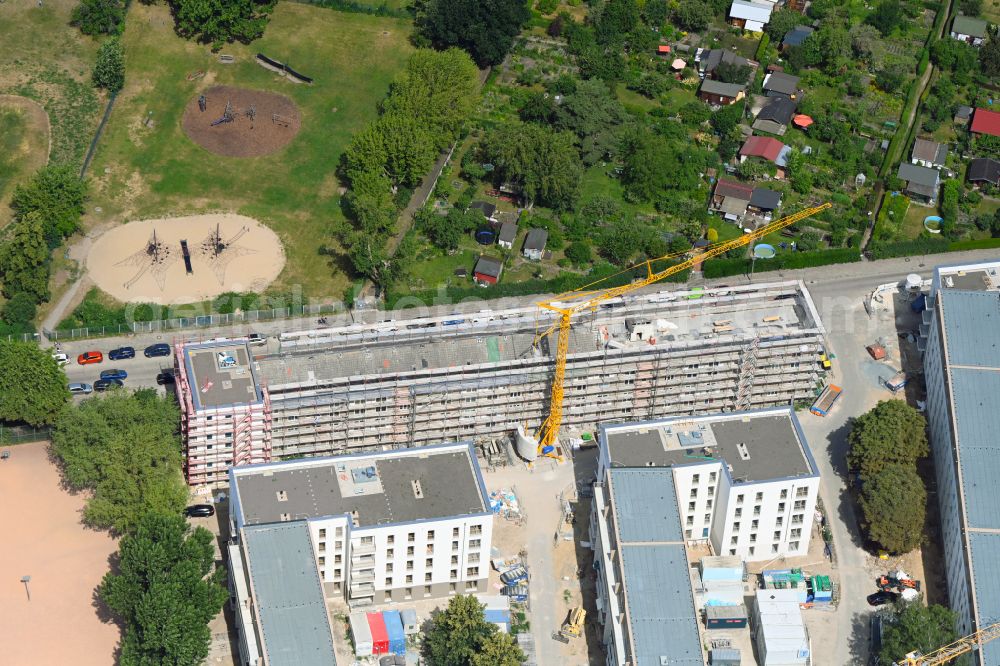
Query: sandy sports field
[126, 263]
[43, 538]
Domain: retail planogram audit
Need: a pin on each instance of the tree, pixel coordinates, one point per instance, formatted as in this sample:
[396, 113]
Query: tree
[731, 72]
[57, 194]
[989, 55]
[893, 502]
[24, 259]
[445, 231]
[781, 22]
[617, 18]
[917, 627]
[19, 311]
[655, 12]
[649, 166]
[221, 21]
[109, 71]
[125, 449]
[866, 42]
[166, 590]
[99, 17]
[498, 649]
[594, 115]
[971, 7]
[887, 16]
[889, 80]
[692, 15]
[579, 253]
[621, 241]
[890, 433]
[752, 169]
[484, 28]
[32, 385]
[542, 163]
[369, 203]
[460, 633]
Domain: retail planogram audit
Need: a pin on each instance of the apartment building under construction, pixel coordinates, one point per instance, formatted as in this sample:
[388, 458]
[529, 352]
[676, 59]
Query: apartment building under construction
[411, 382]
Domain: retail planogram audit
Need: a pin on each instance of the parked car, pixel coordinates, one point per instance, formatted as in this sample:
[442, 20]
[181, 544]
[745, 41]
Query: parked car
[514, 575]
[165, 377]
[104, 384]
[257, 339]
[121, 353]
[199, 511]
[515, 592]
[80, 388]
[159, 349]
[114, 373]
[882, 598]
[61, 358]
[86, 358]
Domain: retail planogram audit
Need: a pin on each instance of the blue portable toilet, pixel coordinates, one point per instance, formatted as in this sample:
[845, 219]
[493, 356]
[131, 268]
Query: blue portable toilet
[394, 628]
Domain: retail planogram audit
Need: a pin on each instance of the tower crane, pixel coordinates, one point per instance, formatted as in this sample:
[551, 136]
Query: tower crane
[590, 296]
[946, 654]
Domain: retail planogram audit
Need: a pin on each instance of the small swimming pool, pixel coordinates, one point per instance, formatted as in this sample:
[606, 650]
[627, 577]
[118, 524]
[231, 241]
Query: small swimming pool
[932, 223]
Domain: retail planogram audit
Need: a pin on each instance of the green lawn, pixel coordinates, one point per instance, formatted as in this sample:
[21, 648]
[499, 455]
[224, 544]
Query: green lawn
[146, 172]
[13, 135]
[913, 221]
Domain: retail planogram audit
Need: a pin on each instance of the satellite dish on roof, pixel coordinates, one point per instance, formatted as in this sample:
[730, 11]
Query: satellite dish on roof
[763, 251]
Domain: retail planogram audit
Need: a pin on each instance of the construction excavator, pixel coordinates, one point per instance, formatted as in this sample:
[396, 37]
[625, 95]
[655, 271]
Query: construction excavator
[946, 654]
[589, 298]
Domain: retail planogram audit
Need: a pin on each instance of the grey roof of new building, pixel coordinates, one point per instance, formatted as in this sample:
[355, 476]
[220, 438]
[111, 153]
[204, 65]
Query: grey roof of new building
[775, 447]
[646, 505]
[969, 25]
[976, 393]
[221, 374]
[659, 601]
[764, 198]
[985, 556]
[713, 87]
[797, 35]
[972, 319]
[292, 613]
[918, 175]
[536, 239]
[449, 485]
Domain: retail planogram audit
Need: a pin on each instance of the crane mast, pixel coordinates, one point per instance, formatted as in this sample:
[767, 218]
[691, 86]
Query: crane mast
[590, 296]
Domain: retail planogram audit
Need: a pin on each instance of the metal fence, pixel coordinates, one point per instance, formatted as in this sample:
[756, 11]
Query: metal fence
[23, 434]
[201, 321]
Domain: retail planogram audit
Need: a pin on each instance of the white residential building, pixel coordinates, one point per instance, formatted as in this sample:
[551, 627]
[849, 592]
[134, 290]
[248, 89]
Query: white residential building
[746, 482]
[961, 344]
[380, 528]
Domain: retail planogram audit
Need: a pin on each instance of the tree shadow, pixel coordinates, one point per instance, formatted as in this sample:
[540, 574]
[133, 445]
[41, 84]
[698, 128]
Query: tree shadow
[103, 612]
[860, 638]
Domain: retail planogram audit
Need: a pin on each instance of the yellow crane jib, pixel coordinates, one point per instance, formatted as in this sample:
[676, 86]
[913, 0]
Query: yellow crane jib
[590, 296]
[945, 655]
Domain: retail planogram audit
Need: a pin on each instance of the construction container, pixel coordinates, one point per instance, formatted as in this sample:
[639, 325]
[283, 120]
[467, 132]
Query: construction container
[721, 592]
[876, 351]
[410, 624]
[501, 618]
[394, 629]
[380, 639]
[724, 657]
[726, 617]
[824, 403]
[362, 634]
[717, 567]
[782, 579]
[822, 589]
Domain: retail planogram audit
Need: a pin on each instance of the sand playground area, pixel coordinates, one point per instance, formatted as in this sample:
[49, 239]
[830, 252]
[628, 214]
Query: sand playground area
[185, 259]
[44, 538]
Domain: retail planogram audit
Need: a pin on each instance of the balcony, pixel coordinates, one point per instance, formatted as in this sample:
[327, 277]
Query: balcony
[361, 577]
[365, 558]
[359, 548]
[361, 590]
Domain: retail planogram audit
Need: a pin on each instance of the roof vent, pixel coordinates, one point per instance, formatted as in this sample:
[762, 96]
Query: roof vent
[282, 496]
[418, 492]
[743, 451]
[355, 518]
[285, 517]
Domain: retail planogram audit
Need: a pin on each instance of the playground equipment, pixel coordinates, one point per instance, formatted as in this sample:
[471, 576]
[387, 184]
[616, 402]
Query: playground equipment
[153, 256]
[280, 120]
[187, 256]
[227, 115]
[220, 252]
[251, 113]
[202, 103]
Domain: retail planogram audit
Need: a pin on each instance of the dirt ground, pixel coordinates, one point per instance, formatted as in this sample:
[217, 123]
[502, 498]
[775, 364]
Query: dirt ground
[119, 263]
[34, 151]
[276, 122]
[43, 538]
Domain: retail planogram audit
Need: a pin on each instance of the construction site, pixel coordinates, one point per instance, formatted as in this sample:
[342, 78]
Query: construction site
[481, 377]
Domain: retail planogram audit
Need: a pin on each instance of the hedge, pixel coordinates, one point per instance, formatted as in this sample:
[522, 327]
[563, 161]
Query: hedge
[924, 245]
[717, 268]
[359, 8]
[565, 282]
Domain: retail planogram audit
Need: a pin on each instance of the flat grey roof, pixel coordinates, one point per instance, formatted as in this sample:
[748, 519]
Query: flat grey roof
[646, 505]
[478, 340]
[292, 614]
[972, 323]
[772, 442]
[382, 487]
[661, 605]
[221, 374]
[985, 556]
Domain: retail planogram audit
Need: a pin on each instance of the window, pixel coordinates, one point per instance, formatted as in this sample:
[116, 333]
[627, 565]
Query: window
[339, 532]
[781, 507]
[452, 588]
[694, 493]
[322, 574]
[365, 541]
[753, 537]
[336, 573]
[756, 510]
[322, 561]
[391, 539]
[388, 581]
[736, 526]
[708, 504]
[708, 518]
[738, 512]
[759, 497]
[784, 494]
[322, 546]
[427, 590]
[796, 532]
[474, 543]
[475, 530]
[472, 572]
[471, 586]
[733, 540]
[751, 549]
[389, 553]
[454, 546]
[793, 545]
[408, 593]
[800, 505]
[409, 550]
[778, 521]
[797, 519]
[802, 492]
[777, 535]
[753, 524]
[687, 534]
[409, 578]
[473, 558]
[739, 499]
[704, 533]
[732, 551]
[691, 506]
[427, 577]
[430, 535]
[690, 520]
[454, 532]
[454, 559]
[711, 491]
[711, 477]
[338, 558]
[429, 562]
[388, 567]
[411, 537]
[322, 533]
[339, 545]
[774, 548]
[409, 565]
[696, 478]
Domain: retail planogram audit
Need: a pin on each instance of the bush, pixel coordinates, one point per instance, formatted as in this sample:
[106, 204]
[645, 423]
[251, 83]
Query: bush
[20, 310]
[99, 17]
[717, 268]
[547, 6]
[887, 250]
[109, 70]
